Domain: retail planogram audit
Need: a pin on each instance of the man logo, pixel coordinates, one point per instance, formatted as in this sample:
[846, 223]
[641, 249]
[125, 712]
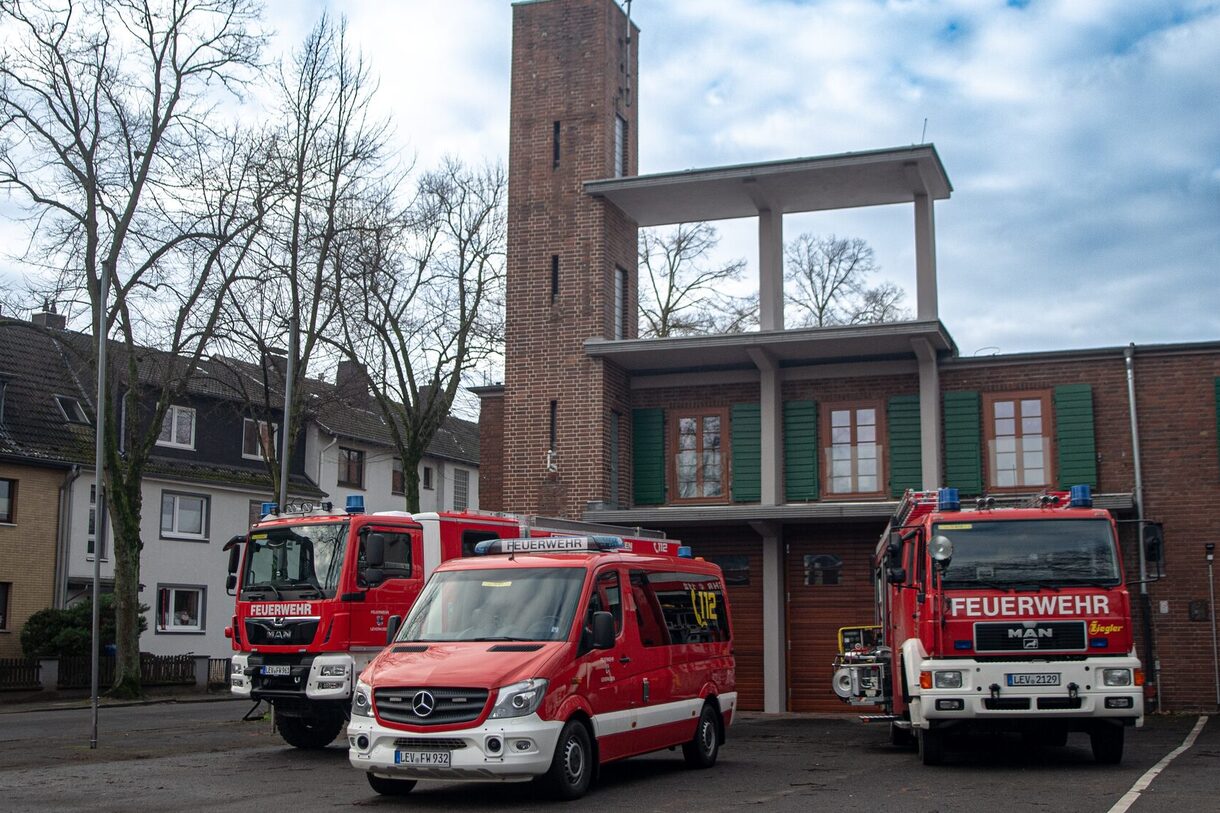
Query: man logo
[423, 703]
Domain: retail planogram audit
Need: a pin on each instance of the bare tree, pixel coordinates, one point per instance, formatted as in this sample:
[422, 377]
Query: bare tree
[428, 309]
[108, 135]
[328, 159]
[829, 280]
[681, 293]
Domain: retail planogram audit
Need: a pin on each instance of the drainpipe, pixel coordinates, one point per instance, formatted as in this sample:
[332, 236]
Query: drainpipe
[1150, 659]
[63, 545]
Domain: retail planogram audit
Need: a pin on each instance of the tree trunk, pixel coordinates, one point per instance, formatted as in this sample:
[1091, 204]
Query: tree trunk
[125, 506]
[410, 478]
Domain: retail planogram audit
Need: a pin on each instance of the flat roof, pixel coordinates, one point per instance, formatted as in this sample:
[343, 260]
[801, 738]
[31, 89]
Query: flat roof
[786, 348]
[842, 181]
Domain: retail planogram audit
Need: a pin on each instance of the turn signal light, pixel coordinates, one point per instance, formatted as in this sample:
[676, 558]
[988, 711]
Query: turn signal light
[925, 680]
[1139, 677]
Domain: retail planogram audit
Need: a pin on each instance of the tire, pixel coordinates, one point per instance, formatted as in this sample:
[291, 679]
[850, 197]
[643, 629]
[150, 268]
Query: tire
[1107, 741]
[571, 770]
[902, 737]
[390, 787]
[317, 731]
[704, 747]
[931, 745]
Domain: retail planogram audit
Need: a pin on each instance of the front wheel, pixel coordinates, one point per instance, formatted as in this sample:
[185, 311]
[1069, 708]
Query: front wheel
[571, 769]
[901, 737]
[704, 747]
[931, 744]
[316, 731]
[1107, 742]
[390, 787]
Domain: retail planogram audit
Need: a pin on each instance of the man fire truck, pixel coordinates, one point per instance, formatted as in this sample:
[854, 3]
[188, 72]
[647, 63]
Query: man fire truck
[1010, 618]
[316, 590]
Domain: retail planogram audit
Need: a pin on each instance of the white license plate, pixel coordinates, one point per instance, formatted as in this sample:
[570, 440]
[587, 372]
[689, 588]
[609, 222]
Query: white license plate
[430, 759]
[282, 671]
[1034, 679]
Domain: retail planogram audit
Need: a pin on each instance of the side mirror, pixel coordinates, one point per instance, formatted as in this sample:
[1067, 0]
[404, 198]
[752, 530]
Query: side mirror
[896, 575]
[374, 550]
[372, 576]
[234, 559]
[391, 629]
[1154, 542]
[231, 584]
[603, 630]
[894, 548]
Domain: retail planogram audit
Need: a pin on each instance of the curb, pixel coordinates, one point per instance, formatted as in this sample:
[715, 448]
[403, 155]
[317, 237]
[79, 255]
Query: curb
[104, 703]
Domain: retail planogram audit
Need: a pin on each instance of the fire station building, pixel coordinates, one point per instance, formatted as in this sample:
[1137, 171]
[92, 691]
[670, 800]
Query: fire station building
[780, 454]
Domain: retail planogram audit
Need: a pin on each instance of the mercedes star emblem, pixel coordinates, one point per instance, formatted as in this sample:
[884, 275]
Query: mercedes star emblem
[423, 703]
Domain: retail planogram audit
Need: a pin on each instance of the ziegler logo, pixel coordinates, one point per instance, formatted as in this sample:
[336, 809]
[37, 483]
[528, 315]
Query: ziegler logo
[1098, 628]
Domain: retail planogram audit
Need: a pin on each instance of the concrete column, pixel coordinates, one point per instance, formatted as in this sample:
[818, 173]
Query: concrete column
[775, 635]
[771, 425]
[770, 270]
[201, 672]
[48, 674]
[925, 259]
[929, 414]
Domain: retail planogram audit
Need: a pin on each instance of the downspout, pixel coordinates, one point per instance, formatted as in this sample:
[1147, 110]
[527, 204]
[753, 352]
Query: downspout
[1150, 659]
[63, 539]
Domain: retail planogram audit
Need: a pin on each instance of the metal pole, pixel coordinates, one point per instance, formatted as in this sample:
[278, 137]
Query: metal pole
[99, 490]
[293, 341]
[1211, 610]
[1151, 663]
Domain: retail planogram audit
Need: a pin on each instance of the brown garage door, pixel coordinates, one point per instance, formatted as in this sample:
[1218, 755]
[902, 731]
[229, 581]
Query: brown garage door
[829, 586]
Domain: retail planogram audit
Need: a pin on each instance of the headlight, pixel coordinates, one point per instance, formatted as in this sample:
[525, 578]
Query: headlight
[1116, 677]
[362, 700]
[335, 670]
[947, 680]
[519, 699]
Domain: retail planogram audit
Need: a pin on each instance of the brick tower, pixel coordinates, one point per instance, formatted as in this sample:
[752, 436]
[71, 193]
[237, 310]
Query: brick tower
[571, 258]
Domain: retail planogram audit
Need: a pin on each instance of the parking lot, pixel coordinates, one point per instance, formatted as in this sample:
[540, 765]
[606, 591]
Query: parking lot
[201, 756]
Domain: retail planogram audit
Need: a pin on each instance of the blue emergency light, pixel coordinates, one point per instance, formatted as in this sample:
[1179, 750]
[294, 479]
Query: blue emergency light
[355, 504]
[684, 552]
[549, 544]
[270, 508]
[1081, 497]
[947, 499]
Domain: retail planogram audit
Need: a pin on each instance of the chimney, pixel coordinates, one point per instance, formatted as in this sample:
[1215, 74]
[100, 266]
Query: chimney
[49, 318]
[352, 382]
[275, 358]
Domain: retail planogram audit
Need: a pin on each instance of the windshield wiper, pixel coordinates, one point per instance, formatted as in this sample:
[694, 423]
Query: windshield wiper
[296, 585]
[978, 585]
[264, 586]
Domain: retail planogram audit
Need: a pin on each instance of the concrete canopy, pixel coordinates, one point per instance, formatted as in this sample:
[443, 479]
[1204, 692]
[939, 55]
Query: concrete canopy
[847, 180]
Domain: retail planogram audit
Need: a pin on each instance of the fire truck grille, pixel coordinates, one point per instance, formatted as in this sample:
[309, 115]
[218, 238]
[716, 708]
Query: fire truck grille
[425, 705]
[1036, 636]
[1006, 703]
[287, 631]
[429, 744]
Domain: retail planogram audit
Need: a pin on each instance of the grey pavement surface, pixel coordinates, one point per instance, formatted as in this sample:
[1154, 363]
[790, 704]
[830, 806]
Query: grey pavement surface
[201, 756]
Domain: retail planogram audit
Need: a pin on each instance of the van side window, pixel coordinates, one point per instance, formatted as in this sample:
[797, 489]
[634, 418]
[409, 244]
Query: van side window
[648, 614]
[692, 605]
[608, 598]
[472, 538]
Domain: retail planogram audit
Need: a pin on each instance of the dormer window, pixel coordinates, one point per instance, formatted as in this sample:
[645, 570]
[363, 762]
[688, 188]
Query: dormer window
[178, 428]
[71, 409]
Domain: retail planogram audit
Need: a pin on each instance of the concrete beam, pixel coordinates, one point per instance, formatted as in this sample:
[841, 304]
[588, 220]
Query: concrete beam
[775, 635]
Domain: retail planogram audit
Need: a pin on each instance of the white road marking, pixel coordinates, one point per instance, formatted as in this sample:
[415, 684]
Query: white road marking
[1144, 781]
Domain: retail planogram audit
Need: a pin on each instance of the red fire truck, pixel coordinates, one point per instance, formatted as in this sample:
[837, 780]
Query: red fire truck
[999, 617]
[317, 589]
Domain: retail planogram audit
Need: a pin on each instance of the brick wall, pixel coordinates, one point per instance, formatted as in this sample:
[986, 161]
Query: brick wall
[28, 548]
[491, 451]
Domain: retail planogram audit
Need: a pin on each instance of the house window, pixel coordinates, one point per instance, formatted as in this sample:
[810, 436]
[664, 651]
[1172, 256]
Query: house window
[184, 516]
[620, 303]
[620, 146]
[5, 587]
[178, 428]
[71, 409]
[554, 145]
[397, 482]
[93, 523]
[1018, 439]
[258, 439]
[8, 500]
[822, 568]
[461, 489]
[853, 458]
[180, 608]
[427, 479]
[554, 277]
[351, 467]
[699, 472]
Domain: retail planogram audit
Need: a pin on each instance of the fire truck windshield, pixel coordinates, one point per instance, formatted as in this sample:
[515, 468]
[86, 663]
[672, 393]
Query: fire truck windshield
[527, 604]
[297, 561]
[1009, 554]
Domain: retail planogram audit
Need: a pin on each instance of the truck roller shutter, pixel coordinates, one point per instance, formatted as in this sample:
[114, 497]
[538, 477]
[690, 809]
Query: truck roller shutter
[648, 456]
[963, 443]
[906, 459]
[746, 472]
[800, 450]
[1076, 447]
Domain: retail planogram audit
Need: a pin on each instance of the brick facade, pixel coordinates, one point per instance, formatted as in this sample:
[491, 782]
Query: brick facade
[28, 549]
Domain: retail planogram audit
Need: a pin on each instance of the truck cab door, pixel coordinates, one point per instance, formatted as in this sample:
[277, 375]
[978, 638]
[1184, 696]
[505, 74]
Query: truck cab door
[389, 590]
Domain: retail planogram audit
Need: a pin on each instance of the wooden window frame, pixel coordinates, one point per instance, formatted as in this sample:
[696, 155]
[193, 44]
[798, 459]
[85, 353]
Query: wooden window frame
[345, 457]
[826, 440]
[1048, 453]
[271, 444]
[165, 625]
[398, 477]
[673, 418]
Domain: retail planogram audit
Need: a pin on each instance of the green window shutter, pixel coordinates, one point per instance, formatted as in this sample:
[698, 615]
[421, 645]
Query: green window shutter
[906, 461]
[963, 442]
[746, 428]
[1075, 446]
[648, 456]
[800, 450]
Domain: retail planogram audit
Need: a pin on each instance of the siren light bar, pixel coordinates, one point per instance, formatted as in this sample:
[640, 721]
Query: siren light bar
[550, 544]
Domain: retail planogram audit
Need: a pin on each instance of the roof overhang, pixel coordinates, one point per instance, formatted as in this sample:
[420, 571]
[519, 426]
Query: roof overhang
[783, 348]
[843, 181]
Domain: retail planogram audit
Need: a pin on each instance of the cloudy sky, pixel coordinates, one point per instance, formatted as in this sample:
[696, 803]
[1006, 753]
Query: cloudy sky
[1082, 137]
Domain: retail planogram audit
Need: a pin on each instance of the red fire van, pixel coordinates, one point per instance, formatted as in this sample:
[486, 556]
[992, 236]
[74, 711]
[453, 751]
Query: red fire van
[543, 659]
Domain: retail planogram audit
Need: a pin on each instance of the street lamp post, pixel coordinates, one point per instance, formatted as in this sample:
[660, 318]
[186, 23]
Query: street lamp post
[1210, 547]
